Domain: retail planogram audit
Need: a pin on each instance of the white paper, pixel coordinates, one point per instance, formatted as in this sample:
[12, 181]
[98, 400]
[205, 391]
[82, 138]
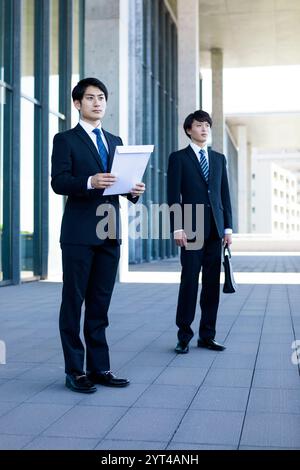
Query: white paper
[129, 165]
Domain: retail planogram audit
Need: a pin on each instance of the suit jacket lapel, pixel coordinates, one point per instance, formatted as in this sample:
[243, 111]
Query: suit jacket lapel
[212, 166]
[87, 140]
[195, 160]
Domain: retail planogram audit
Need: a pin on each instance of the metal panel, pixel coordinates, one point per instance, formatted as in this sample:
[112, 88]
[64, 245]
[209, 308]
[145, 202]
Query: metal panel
[41, 135]
[8, 140]
[16, 127]
[65, 60]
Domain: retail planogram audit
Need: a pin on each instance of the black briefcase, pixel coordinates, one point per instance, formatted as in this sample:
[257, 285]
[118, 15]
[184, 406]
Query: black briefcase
[229, 282]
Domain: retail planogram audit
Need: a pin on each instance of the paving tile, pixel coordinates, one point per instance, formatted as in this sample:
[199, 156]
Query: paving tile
[181, 376]
[30, 419]
[61, 443]
[210, 427]
[276, 379]
[86, 421]
[158, 424]
[109, 444]
[107, 396]
[271, 430]
[141, 374]
[221, 398]
[13, 442]
[166, 396]
[229, 378]
[20, 390]
[274, 400]
[184, 446]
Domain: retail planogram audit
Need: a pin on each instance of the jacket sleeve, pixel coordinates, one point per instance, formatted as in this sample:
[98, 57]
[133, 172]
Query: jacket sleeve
[62, 180]
[174, 177]
[225, 195]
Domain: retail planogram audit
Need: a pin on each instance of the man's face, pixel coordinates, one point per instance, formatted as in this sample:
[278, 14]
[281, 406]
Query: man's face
[199, 132]
[93, 104]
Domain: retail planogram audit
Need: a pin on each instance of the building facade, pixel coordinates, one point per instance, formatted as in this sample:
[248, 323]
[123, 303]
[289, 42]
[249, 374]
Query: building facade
[275, 205]
[45, 47]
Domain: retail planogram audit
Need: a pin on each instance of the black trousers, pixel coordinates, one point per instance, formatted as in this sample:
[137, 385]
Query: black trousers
[89, 274]
[209, 259]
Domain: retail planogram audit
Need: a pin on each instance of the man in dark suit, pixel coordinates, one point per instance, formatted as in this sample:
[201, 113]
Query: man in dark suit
[198, 176]
[81, 164]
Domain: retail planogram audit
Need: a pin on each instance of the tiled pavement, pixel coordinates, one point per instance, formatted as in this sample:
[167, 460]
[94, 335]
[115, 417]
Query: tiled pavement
[247, 397]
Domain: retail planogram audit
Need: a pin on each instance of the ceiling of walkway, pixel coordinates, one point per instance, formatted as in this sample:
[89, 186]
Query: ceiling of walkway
[270, 132]
[251, 32]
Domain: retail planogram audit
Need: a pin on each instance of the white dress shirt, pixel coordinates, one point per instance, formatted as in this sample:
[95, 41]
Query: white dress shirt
[89, 130]
[196, 148]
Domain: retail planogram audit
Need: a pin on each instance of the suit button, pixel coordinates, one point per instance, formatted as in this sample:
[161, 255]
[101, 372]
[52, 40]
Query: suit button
[208, 205]
[208, 191]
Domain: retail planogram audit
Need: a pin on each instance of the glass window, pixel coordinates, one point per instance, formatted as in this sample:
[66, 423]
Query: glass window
[1, 182]
[27, 188]
[54, 56]
[76, 58]
[2, 17]
[55, 211]
[27, 42]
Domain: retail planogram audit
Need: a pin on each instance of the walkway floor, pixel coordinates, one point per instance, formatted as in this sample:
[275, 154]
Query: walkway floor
[247, 397]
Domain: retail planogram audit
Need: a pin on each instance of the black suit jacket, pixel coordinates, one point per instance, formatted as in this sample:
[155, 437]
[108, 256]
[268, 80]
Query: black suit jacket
[74, 160]
[187, 185]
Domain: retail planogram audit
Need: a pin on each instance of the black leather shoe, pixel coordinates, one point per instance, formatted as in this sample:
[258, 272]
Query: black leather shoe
[80, 383]
[108, 379]
[182, 348]
[210, 344]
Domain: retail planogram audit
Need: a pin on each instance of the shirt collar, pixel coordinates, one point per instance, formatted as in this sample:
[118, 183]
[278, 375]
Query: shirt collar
[88, 127]
[197, 149]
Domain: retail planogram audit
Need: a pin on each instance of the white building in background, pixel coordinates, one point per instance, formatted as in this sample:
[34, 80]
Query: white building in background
[275, 205]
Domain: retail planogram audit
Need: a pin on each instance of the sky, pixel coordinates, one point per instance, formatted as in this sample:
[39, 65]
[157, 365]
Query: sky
[257, 89]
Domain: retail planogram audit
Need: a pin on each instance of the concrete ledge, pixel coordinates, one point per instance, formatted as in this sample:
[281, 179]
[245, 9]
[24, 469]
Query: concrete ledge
[264, 242]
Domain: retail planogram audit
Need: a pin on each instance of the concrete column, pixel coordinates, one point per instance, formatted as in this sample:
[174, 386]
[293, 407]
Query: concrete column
[188, 62]
[106, 57]
[243, 189]
[218, 128]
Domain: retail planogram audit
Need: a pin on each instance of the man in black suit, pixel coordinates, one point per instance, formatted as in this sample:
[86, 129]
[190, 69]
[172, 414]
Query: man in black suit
[81, 164]
[198, 176]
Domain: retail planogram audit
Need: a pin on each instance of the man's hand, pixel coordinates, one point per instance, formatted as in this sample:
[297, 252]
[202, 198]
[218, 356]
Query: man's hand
[138, 190]
[180, 238]
[227, 239]
[103, 180]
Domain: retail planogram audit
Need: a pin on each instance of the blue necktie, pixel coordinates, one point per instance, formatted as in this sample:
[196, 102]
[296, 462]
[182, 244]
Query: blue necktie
[204, 164]
[101, 148]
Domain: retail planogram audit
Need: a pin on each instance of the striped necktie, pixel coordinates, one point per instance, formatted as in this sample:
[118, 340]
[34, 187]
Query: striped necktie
[101, 148]
[204, 165]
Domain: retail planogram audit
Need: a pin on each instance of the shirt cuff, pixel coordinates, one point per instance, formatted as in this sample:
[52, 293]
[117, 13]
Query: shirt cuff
[228, 231]
[89, 183]
[180, 230]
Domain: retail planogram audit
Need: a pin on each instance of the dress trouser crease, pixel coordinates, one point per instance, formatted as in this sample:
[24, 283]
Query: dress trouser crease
[89, 275]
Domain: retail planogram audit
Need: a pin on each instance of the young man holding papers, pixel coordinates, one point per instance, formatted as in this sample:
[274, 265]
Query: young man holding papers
[81, 163]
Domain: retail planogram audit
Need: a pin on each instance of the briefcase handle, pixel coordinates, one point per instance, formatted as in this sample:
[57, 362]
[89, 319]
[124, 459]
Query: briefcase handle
[226, 248]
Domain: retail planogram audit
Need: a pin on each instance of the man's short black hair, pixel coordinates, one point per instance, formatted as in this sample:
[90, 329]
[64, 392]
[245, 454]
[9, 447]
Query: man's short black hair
[79, 89]
[200, 116]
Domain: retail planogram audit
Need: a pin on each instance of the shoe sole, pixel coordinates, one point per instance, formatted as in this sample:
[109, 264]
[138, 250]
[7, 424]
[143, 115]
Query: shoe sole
[209, 347]
[91, 390]
[181, 352]
[115, 386]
